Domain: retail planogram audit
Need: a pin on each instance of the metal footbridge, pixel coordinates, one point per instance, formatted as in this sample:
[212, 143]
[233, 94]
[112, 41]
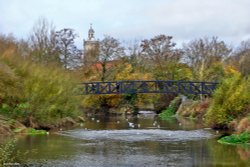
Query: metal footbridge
[152, 86]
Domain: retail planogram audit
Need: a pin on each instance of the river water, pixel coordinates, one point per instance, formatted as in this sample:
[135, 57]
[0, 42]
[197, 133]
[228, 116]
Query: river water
[142, 140]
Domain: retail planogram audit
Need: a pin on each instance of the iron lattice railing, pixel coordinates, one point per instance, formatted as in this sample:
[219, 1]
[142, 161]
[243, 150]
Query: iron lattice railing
[132, 87]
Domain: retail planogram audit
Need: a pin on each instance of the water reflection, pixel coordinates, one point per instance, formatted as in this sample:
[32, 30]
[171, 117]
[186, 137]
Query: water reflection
[47, 147]
[244, 152]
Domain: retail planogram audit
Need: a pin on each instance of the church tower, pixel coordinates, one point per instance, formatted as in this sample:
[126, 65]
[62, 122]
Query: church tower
[91, 48]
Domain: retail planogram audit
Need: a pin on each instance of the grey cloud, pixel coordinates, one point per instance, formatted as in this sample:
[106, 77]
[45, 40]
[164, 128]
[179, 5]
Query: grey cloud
[133, 19]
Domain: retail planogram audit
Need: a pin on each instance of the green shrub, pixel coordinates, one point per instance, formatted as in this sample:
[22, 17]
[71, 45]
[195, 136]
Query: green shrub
[16, 111]
[171, 110]
[50, 93]
[9, 84]
[168, 113]
[242, 138]
[44, 93]
[9, 154]
[229, 101]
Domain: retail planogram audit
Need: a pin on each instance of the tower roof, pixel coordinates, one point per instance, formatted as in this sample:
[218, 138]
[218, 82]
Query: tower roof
[91, 33]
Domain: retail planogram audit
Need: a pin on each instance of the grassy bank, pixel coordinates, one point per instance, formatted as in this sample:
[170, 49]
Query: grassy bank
[235, 139]
[170, 112]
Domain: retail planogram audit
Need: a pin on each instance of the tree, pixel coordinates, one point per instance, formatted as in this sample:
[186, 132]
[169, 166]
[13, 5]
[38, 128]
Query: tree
[241, 58]
[23, 48]
[133, 54]
[107, 67]
[43, 42]
[70, 55]
[110, 50]
[158, 48]
[8, 44]
[205, 57]
[160, 56]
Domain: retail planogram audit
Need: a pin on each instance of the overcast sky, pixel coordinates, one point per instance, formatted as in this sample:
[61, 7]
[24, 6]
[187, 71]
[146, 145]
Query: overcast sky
[133, 19]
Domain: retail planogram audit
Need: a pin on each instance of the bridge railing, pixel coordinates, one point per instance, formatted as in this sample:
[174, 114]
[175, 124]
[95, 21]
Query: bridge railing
[131, 87]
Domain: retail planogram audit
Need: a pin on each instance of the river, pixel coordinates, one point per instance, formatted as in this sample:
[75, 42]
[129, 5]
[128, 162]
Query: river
[135, 141]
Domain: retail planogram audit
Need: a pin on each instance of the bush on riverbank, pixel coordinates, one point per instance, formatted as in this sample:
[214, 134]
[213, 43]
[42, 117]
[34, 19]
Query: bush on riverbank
[171, 109]
[230, 101]
[9, 155]
[42, 93]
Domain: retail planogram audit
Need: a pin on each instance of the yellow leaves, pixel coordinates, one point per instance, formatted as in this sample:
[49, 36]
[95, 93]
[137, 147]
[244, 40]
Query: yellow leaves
[237, 99]
[125, 74]
[230, 70]
[183, 73]
[88, 101]
[114, 100]
[129, 74]
[230, 100]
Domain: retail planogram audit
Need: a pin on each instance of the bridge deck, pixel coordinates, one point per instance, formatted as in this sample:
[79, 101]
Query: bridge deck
[132, 87]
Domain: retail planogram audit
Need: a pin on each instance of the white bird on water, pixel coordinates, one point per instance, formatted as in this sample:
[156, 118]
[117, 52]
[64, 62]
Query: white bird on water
[131, 125]
[155, 123]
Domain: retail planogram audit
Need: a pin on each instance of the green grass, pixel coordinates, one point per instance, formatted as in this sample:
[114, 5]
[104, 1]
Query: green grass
[167, 114]
[32, 131]
[17, 130]
[234, 139]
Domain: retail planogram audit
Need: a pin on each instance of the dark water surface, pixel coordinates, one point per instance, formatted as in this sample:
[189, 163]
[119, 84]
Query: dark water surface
[138, 141]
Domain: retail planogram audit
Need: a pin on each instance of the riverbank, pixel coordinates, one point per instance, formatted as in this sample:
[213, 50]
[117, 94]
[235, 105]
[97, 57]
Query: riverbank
[10, 126]
[198, 110]
[237, 127]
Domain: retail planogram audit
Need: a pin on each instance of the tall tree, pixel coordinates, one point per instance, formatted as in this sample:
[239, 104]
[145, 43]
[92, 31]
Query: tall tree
[161, 58]
[158, 48]
[70, 55]
[43, 42]
[133, 54]
[241, 58]
[110, 50]
[159, 53]
[205, 57]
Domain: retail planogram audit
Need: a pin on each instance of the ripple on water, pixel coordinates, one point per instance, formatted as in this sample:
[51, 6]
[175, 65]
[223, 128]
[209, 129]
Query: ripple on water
[139, 135]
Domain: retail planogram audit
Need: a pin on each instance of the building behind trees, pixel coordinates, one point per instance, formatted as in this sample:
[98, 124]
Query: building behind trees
[91, 48]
